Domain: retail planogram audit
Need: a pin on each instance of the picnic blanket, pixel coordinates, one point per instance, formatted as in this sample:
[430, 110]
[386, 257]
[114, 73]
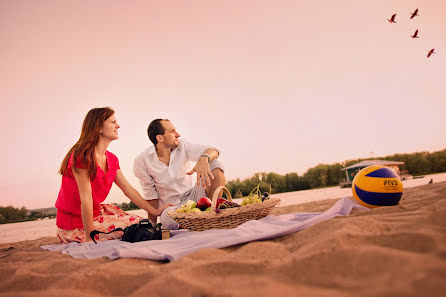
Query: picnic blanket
[184, 242]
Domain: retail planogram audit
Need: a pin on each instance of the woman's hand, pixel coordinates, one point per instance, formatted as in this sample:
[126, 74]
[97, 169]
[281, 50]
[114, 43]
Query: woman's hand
[87, 236]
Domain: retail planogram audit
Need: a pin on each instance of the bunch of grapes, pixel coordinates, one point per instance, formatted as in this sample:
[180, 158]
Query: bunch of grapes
[228, 204]
[256, 196]
[251, 199]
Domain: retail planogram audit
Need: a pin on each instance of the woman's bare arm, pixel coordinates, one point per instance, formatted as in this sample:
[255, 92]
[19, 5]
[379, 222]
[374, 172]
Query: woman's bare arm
[84, 186]
[135, 197]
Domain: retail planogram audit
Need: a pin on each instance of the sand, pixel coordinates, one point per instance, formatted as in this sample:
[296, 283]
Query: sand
[388, 251]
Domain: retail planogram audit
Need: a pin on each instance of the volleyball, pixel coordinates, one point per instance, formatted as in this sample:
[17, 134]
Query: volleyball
[377, 185]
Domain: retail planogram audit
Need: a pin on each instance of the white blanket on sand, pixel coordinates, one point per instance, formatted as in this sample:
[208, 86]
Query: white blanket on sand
[185, 242]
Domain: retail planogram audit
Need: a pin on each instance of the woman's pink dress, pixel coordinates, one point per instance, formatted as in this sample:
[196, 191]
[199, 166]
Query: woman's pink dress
[106, 217]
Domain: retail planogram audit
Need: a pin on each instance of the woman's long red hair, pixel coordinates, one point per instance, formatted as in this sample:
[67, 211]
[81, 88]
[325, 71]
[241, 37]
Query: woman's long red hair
[83, 149]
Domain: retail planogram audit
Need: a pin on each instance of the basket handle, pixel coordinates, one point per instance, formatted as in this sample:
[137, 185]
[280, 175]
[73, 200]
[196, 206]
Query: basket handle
[215, 197]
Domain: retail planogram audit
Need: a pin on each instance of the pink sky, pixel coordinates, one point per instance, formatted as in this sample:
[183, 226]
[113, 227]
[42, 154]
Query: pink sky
[278, 85]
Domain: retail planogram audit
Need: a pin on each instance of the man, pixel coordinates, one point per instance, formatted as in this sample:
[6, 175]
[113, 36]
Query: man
[165, 170]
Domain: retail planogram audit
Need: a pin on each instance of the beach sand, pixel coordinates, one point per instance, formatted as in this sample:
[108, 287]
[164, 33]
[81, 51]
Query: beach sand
[388, 251]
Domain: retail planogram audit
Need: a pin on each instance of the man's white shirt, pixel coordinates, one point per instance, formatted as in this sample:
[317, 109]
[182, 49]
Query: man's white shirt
[168, 183]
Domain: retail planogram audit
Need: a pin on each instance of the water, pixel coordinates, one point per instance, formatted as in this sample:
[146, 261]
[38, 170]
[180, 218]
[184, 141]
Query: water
[336, 192]
[37, 229]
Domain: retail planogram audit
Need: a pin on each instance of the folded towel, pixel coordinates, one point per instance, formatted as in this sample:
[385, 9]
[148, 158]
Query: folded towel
[184, 242]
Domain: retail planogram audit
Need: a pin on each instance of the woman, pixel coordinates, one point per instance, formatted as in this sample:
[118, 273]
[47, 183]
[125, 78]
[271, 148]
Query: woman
[88, 172]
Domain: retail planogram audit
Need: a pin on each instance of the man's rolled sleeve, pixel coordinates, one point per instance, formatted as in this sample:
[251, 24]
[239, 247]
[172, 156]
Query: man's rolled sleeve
[145, 179]
[194, 151]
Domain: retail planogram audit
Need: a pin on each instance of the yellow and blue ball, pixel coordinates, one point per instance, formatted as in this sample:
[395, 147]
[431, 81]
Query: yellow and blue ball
[377, 185]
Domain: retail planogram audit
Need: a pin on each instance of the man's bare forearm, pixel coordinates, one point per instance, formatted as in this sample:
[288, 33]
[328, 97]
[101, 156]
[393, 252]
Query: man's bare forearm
[213, 153]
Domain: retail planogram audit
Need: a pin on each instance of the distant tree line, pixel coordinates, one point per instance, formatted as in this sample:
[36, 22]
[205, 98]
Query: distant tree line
[11, 214]
[127, 206]
[324, 175]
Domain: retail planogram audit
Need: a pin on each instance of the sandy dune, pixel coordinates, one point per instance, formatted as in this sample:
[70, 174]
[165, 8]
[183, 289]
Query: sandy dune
[389, 251]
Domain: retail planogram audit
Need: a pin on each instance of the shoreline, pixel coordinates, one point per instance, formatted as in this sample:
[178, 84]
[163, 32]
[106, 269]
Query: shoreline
[30, 230]
[439, 177]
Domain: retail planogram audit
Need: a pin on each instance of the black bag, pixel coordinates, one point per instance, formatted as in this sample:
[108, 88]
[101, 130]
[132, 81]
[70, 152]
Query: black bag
[142, 231]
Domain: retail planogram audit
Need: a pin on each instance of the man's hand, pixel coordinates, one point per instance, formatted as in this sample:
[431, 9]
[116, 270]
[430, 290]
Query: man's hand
[203, 170]
[158, 211]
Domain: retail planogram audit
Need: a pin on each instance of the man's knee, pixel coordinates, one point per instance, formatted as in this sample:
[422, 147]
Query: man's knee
[217, 171]
[216, 164]
[219, 176]
[166, 221]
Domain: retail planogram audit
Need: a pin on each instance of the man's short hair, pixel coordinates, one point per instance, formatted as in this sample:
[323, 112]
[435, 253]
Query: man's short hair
[155, 128]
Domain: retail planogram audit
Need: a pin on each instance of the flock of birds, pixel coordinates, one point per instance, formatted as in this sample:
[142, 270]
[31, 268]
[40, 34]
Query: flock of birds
[415, 35]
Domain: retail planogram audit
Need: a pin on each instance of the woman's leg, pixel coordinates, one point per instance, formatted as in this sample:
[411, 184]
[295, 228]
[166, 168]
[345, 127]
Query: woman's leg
[111, 217]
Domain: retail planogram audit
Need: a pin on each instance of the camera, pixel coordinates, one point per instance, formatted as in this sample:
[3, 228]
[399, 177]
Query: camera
[142, 231]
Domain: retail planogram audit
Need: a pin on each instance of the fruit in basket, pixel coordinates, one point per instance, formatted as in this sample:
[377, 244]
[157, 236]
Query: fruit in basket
[220, 201]
[195, 210]
[187, 207]
[208, 209]
[223, 203]
[182, 208]
[251, 199]
[190, 204]
[204, 203]
[228, 204]
[256, 196]
[265, 196]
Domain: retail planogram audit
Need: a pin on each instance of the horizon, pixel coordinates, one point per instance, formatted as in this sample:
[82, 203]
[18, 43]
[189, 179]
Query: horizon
[278, 86]
[242, 179]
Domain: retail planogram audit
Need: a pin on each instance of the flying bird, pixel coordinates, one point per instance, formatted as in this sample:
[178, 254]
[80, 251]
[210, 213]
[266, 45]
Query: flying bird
[415, 35]
[414, 14]
[392, 19]
[430, 53]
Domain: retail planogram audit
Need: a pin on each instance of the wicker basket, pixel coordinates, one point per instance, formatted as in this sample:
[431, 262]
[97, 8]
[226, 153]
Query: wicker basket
[225, 218]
